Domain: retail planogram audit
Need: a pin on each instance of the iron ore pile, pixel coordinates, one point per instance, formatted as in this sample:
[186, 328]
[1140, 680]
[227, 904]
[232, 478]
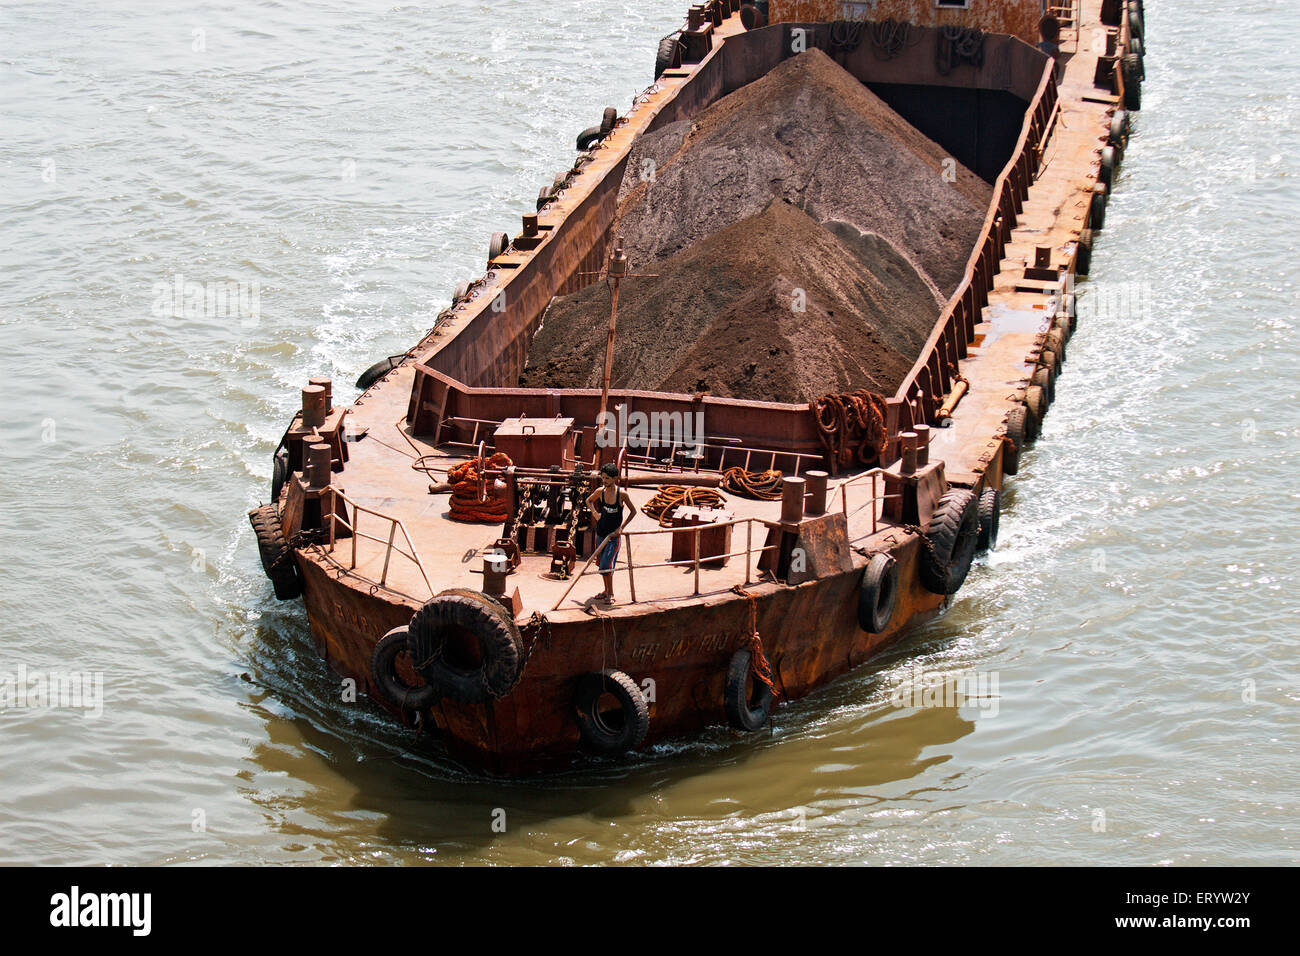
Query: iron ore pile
[802, 237]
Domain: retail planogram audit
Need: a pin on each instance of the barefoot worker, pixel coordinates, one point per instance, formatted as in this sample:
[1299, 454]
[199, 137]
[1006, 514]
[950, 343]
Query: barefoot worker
[606, 504]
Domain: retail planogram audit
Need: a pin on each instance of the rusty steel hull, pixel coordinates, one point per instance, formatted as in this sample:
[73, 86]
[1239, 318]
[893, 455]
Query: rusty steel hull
[810, 635]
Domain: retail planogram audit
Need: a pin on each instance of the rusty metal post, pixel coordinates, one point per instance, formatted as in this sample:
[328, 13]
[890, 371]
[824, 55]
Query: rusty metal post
[922, 445]
[792, 500]
[908, 463]
[314, 406]
[496, 565]
[816, 502]
[530, 224]
[318, 470]
[328, 385]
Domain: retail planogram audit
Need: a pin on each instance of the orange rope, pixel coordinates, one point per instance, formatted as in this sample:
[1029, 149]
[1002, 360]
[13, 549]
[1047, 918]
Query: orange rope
[851, 427]
[758, 664]
[669, 497]
[760, 485]
[474, 496]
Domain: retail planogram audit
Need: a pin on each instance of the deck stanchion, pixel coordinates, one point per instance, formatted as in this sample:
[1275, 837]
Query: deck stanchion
[631, 581]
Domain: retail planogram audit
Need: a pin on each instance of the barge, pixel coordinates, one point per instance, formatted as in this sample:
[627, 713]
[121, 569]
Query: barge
[439, 529]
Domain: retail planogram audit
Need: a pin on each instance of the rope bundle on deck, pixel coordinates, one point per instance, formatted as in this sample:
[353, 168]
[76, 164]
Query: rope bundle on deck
[475, 496]
[669, 497]
[851, 427]
[759, 485]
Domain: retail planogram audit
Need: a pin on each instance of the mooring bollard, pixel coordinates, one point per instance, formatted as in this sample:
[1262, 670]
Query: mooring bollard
[922, 445]
[319, 465]
[328, 385]
[815, 503]
[908, 463]
[792, 500]
[496, 565]
[313, 406]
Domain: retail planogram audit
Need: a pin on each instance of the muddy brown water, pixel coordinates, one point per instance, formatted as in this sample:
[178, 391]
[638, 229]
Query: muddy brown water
[1139, 615]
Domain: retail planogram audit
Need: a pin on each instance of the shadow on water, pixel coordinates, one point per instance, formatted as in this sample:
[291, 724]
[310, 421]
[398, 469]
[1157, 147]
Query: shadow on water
[339, 763]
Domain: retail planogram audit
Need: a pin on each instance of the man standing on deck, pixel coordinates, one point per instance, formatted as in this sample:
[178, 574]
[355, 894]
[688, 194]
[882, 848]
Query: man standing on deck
[606, 504]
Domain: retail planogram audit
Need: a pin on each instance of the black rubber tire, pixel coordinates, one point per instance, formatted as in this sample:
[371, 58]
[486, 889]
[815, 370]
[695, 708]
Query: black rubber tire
[378, 371]
[1119, 129]
[1070, 308]
[600, 734]
[1017, 439]
[383, 674]
[543, 197]
[751, 17]
[499, 243]
[1132, 67]
[1045, 378]
[1036, 402]
[589, 137]
[666, 56]
[990, 516]
[1052, 360]
[953, 535]
[608, 120]
[461, 292]
[1083, 259]
[1097, 221]
[279, 472]
[1135, 25]
[1032, 424]
[746, 710]
[1056, 343]
[277, 557]
[878, 593]
[1109, 166]
[499, 647]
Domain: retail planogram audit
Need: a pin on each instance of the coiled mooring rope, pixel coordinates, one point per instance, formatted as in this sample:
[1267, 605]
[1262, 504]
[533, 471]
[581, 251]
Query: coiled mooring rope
[851, 427]
[669, 497]
[474, 496]
[759, 485]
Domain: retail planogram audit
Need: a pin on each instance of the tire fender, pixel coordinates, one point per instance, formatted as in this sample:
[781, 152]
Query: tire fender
[389, 683]
[878, 593]
[610, 732]
[449, 619]
[747, 709]
[952, 538]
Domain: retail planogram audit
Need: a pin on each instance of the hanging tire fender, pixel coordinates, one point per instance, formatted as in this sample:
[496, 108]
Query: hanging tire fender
[466, 646]
[952, 538]
[666, 55]
[747, 700]
[389, 683]
[1016, 440]
[277, 557]
[378, 371]
[589, 137]
[613, 731]
[1097, 218]
[990, 509]
[878, 593]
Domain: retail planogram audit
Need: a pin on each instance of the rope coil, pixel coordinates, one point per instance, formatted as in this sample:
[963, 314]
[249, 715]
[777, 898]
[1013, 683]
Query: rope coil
[758, 485]
[475, 498]
[669, 497]
[851, 427]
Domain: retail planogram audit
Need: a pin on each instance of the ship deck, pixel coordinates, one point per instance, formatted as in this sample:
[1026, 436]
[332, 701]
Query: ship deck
[1001, 358]
[380, 476]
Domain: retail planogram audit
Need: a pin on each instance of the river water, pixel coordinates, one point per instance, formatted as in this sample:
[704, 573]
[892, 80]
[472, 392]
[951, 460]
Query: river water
[1135, 633]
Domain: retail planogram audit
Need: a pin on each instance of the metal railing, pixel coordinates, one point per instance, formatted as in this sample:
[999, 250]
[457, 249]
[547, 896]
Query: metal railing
[694, 562]
[697, 560]
[933, 375]
[390, 547]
